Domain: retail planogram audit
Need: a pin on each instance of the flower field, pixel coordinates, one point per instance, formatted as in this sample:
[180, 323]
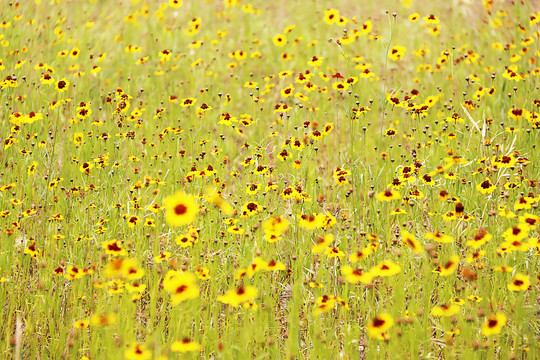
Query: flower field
[269, 180]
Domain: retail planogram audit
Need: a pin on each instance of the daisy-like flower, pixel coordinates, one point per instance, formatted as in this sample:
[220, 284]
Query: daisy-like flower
[481, 237]
[397, 52]
[62, 85]
[410, 240]
[385, 268]
[182, 286]
[439, 237]
[185, 345]
[181, 209]
[494, 324]
[388, 195]
[238, 296]
[450, 267]
[520, 282]
[379, 325]
[486, 187]
[445, 310]
[356, 275]
[138, 352]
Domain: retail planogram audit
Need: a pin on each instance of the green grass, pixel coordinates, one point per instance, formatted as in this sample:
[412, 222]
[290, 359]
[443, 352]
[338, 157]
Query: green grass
[139, 158]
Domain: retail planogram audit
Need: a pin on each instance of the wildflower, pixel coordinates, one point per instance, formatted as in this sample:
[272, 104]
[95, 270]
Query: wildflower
[238, 296]
[410, 240]
[182, 286]
[379, 325]
[331, 16]
[322, 243]
[250, 208]
[397, 52]
[112, 247]
[494, 324]
[388, 195]
[62, 85]
[445, 310]
[137, 352]
[356, 275]
[98, 320]
[516, 233]
[385, 268]
[450, 267]
[185, 346]
[481, 237]
[520, 282]
[486, 187]
[275, 225]
[181, 209]
[439, 237]
[279, 40]
[360, 255]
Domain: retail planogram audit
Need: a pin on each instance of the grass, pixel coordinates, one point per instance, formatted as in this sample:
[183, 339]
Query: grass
[399, 127]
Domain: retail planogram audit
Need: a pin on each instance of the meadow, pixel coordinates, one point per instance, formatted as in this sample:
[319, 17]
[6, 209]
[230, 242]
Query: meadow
[269, 179]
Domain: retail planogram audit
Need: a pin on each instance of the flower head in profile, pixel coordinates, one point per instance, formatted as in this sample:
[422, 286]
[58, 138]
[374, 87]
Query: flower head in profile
[138, 352]
[388, 195]
[385, 268]
[238, 296]
[185, 345]
[181, 209]
[445, 310]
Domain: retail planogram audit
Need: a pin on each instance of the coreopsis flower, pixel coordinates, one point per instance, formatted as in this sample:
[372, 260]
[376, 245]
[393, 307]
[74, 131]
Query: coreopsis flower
[410, 240]
[486, 187]
[379, 325]
[356, 275]
[388, 195]
[181, 286]
[397, 52]
[494, 324]
[181, 209]
[449, 267]
[445, 310]
[322, 243]
[385, 268]
[275, 225]
[439, 237]
[520, 282]
[138, 352]
[238, 296]
[481, 237]
[185, 345]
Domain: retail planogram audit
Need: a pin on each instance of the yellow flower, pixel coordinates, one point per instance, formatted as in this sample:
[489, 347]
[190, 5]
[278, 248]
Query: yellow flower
[450, 267]
[137, 352]
[186, 345]
[397, 52]
[520, 282]
[410, 240]
[182, 286]
[494, 324]
[175, 3]
[279, 40]
[356, 275]
[388, 195]
[385, 268]
[181, 209]
[379, 325]
[238, 296]
[445, 310]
